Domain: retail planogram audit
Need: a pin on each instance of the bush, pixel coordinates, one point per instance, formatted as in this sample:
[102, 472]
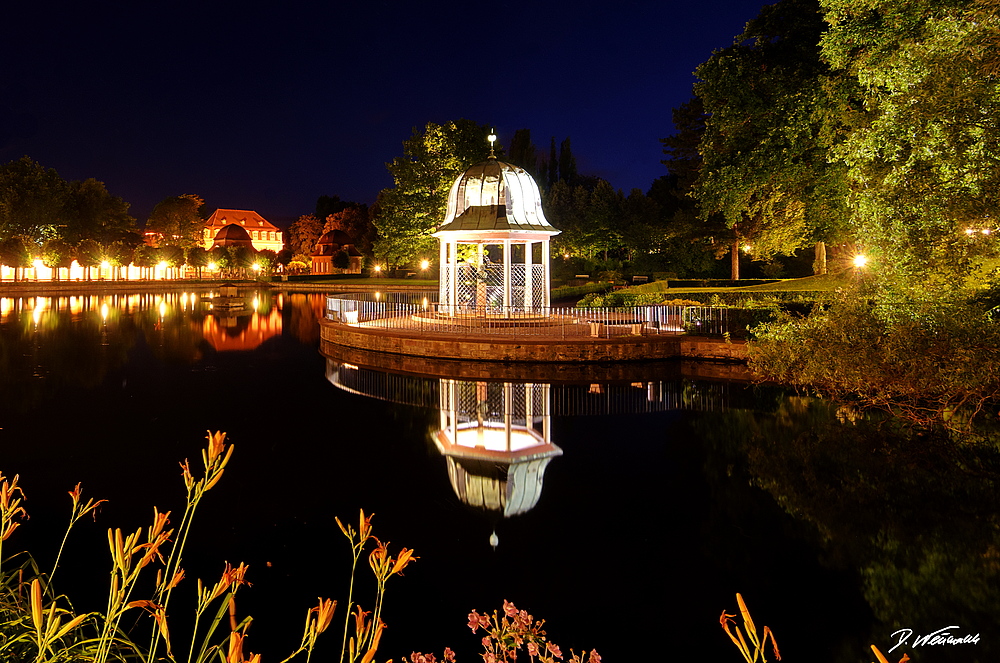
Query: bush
[931, 362]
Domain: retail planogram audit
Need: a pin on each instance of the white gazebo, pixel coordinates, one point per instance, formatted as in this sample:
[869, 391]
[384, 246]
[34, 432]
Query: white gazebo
[494, 244]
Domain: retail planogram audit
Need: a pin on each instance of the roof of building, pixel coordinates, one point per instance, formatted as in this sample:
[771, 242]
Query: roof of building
[247, 218]
[333, 241]
[492, 195]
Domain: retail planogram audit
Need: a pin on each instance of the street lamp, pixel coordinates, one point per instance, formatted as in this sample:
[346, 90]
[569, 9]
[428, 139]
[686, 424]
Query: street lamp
[860, 260]
[424, 264]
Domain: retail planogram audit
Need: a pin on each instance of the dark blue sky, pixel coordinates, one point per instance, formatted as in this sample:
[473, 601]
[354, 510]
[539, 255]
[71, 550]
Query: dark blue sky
[268, 106]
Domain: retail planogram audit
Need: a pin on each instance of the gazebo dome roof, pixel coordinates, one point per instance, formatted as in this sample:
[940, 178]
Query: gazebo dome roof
[492, 195]
[232, 234]
[336, 236]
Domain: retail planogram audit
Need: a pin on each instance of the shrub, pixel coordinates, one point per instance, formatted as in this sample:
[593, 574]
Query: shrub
[930, 362]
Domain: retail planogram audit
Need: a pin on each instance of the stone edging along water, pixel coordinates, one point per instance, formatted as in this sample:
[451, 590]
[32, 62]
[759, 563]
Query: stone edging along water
[537, 350]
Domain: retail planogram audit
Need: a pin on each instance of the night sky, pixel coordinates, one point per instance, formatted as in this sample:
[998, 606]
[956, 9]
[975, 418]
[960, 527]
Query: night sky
[267, 106]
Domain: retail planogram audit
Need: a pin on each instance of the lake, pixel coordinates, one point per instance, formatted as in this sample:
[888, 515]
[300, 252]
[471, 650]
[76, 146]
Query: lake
[648, 498]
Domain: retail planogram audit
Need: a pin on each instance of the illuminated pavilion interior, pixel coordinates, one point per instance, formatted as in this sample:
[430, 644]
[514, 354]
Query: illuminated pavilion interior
[494, 243]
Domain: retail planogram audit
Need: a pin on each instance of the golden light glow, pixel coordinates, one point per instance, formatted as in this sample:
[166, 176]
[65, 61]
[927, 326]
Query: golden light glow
[256, 267]
[860, 260]
[424, 264]
[378, 268]
[162, 264]
[37, 263]
[163, 309]
[105, 264]
[104, 311]
[212, 266]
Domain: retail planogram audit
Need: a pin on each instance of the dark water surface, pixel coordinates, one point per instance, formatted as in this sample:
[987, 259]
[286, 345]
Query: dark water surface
[669, 496]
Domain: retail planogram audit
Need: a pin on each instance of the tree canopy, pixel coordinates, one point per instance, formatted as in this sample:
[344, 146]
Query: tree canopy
[919, 97]
[408, 213]
[765, 168]
[178, 220]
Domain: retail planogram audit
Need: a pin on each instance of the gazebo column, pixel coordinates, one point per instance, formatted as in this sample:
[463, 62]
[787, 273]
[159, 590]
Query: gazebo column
[506, 277]
[529, 297]
[546, 266]
[447, 273]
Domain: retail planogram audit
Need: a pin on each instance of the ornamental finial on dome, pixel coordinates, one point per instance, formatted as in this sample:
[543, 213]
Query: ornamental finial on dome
[492, 138]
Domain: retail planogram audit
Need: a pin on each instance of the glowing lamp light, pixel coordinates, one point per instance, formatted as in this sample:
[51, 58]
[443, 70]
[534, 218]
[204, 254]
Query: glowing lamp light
[378, 268]
[969, 231]
[37, 263]
[105, 264]
[162, 264]
[424, 264]
[985, 231]
[747, 248]
[860, 260]
[256, 267]
[212, 266]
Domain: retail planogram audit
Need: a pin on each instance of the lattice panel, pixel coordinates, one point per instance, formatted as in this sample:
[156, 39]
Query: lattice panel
[538, 285]
[483, 288]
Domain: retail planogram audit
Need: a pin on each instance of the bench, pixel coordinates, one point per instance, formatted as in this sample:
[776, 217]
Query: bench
[636, 326]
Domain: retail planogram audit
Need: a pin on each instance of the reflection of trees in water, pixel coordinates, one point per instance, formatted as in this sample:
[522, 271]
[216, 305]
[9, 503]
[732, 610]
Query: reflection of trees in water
[915, 514]
[306, 312]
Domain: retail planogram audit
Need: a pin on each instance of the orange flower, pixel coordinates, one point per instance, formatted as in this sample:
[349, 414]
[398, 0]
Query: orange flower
[360, 627]
[370, 654]
[324, 613]
[216, 443]
[405, 557]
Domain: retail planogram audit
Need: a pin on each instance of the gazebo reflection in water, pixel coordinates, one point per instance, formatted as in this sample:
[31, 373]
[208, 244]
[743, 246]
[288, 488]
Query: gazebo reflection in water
[496, 435]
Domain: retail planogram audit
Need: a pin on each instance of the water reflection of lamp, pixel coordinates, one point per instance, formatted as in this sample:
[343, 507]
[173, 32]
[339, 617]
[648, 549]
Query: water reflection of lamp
[496, 438]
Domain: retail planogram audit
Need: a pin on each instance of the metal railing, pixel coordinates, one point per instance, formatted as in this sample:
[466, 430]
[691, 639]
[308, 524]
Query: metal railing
[551, 322]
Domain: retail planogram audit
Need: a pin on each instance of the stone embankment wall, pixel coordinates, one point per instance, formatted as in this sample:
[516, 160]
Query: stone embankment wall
[616, 349]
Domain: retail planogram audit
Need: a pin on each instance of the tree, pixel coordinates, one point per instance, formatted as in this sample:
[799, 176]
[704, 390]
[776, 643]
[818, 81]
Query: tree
[14, 253]
[356, 222]
[407, 214]
[178, 221]
[567, 163]
[918, 97]
[146, 257]
[56, 254]
[90, 212]
[88, 255]
[197, 257]
[524, 154]
[31, 201]
[553, 170]
[765, 169]
[119, 254]
[304, 233]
